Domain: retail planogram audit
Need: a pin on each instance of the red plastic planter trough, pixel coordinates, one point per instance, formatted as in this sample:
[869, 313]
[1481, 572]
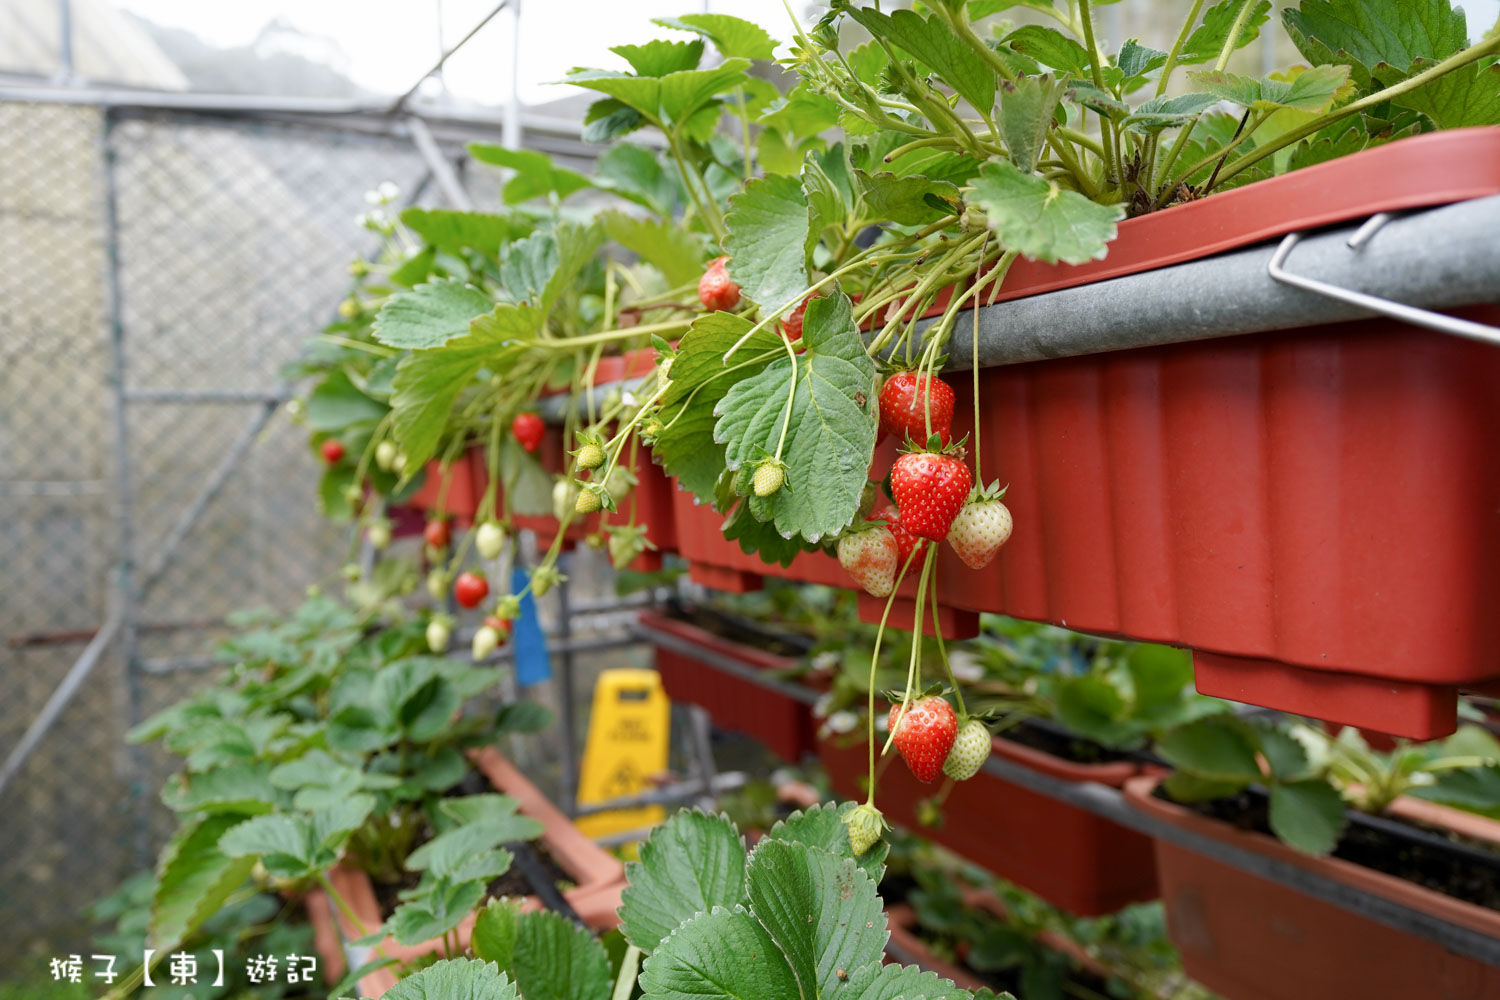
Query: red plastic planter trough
[1073, 859]
[782, 723]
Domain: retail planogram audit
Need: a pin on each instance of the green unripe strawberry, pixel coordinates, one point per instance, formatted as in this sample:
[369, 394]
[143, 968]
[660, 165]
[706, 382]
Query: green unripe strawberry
[866, 824]
[385, 455]
[971, 748]
[588, 502]
[590, 456]
[769, 478]
[489, 539]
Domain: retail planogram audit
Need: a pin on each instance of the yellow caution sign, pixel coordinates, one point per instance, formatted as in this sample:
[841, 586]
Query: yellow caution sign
[627, 745]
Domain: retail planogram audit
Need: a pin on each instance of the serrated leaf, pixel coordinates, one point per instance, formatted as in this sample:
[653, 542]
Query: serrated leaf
[1041, 220]
[536, 174]
[415, 269]
[1397, 34]
[456, 231]
[635, 173]
[732, 36]
[427, 382]
[336, 404]
[1026, 108]
[659, 57]
[1050, 47]
[245, 788]
[673, 250]
[1475, 789]
[430, 315]
[830, 432]
[1308, 815]
[609, 119]
[1159, 674]
[760, 538]
[1469, 95]
[888, 198]
[768, 227]
[1166, 112]
[1209, 38]
[414, 697]
[1184, 787]
[705, 959]
[932, 42]
[822, 911]
[700, 379]
[435, 914]
[690, 864]
[1136, 59]
[445, 854]
[1284, 754]
[294, 846]
[455, 979]
[558, 960]
[194, 878]
[495, 930]
[672, 98]
[1216, 748]
[823, 827]
[1091, 706]
[1314, 90]
[901, 982]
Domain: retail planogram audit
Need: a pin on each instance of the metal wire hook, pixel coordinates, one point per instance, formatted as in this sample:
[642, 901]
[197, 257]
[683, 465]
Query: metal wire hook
[1467, 329]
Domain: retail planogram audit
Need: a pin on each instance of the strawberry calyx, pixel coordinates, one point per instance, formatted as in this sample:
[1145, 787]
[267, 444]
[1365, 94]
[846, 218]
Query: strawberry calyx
[981, 492]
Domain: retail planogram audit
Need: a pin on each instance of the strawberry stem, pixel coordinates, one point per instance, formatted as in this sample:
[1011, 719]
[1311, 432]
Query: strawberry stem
[914, 666]
[943, 655]
[874, 664]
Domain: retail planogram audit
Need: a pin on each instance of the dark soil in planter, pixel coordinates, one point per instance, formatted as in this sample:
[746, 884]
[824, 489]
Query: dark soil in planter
[745, 631]
[515, 883]
[1052, 738]
[1430, 857]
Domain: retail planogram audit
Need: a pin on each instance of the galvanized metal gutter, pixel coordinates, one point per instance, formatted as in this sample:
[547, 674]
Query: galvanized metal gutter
[1440, 258]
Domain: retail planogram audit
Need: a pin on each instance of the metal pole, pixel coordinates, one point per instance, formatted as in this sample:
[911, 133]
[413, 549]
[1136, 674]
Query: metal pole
[510, 134]
[566, 695]
[442, 170]
[400, 102]
[65, 69]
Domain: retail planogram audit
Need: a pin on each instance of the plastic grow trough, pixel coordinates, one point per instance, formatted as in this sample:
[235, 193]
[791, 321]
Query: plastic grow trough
[1314, 510]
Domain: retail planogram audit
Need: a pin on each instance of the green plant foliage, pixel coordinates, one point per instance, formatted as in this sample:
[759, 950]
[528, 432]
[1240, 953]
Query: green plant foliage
[1041, 220]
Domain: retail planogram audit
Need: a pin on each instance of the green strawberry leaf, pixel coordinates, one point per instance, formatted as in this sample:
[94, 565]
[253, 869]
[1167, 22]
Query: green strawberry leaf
[1308, 815]
[1050, 47]
[1470, 95]
[699, 379]
[658, 57]
[1167, 112]
[1136, 60]
[558, 960]
[1218, 748]
[495, 930]
[455, 979]
[902, 200]
[1041, 220]
[673, 250]
[245, 787]
[734, 37]
[636, 174]
[535, 173]
[456, 231]
[1209, 38]
[768, 227]
[690, 864]
[298, 846]
[668, 100]
[435, 914]
[427, 382]
[904, 982]
[722, 954]
[822, 826]
[932, 42]
[430, 315]
[194, 878]
[1313, 90]
[1356, 32]
[830, 432]
[821, 910]
[337, 404]
[1026, 109]
[760, 538]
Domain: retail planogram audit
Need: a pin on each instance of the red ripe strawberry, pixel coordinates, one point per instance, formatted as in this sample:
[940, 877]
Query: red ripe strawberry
[906, 542]
[437, 534]
[980, 529]
[528, 429]
[469, 589]
[903, 407]
[715, 290]
[791, 325]
[870, 555]
[930, 488]
[925, 735]
[500, 625]
[333, 450]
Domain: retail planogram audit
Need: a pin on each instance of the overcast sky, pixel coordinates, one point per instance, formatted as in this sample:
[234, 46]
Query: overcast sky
[390, 42]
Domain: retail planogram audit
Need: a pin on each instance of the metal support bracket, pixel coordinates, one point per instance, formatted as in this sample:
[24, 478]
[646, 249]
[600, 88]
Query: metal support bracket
[1276, 269]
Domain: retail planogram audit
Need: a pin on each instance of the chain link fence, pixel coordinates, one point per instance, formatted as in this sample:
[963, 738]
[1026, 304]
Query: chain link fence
[195, 255]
